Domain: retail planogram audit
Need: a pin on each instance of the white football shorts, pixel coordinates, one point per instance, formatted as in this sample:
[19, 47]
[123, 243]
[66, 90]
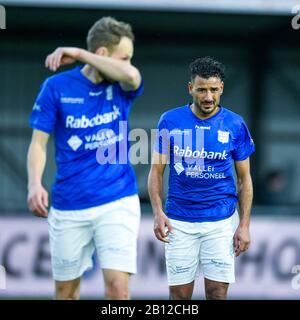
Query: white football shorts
[111, 229]
[201, 245]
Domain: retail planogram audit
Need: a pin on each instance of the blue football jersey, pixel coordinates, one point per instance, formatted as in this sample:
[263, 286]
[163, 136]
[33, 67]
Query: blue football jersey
[89, 123]
[201, 154]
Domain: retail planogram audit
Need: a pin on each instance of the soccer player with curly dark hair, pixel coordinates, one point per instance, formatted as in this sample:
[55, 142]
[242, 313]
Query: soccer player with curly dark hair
[200, 225]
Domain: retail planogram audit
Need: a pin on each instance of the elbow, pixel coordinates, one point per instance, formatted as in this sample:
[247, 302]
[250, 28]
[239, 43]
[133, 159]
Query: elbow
[150, 175]
[133, 78]
[244, 182]
[244, 178]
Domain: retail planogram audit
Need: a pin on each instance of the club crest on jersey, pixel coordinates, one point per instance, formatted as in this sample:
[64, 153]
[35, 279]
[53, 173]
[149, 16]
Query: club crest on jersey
[109, 93]
[223, 136]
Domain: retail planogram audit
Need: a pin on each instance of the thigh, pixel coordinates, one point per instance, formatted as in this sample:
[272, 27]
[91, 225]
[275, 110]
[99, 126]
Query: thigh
[115, 235]
[71, 245]
[217, 252]
[182, 255]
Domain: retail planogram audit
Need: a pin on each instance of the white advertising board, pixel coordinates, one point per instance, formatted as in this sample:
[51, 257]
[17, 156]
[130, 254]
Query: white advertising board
[270, 269]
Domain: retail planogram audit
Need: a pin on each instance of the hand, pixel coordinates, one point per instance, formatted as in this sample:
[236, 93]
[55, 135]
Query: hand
[37, 201]
[241, 240]
[162, 227]
[61, 56]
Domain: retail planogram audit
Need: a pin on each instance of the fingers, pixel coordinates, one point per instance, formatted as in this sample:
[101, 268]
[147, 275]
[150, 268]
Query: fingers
[162, 230]
[53, 60]
[47, 61]
[39, 206]
[45, 199]
[237, 251]
[169, 227]
[240, 245]
[161, 235]
[37, 210]
[236, 246]
[244, 245]
[40, 210]
[57, 59]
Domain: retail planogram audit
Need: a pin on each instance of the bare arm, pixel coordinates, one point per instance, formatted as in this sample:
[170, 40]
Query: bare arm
[245, 192]
[36, 160]
[110, 68]
[155, 188]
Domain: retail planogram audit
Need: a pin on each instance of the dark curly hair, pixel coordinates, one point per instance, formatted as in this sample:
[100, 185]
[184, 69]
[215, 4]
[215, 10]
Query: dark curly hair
[207, 67]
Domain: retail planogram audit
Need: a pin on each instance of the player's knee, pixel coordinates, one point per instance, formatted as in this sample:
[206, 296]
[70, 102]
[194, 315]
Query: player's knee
[180, 293]
[117, 290]
[216, 293]
[66, 292]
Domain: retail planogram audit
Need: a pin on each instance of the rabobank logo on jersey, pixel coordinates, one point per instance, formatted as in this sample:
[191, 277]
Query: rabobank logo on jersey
[84, 122]
[203, 154]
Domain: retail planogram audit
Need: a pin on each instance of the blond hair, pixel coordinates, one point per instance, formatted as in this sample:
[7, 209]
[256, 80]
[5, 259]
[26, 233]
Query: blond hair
[107, 32]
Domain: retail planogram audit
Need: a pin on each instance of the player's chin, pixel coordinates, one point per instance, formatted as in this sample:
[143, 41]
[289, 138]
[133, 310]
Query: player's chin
[208, 108]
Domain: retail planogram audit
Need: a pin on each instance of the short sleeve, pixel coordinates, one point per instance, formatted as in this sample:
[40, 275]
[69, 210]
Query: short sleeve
[162, 140]
[44, 112]
[243, 145]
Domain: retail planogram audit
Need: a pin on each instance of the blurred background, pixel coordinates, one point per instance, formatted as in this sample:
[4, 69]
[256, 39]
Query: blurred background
[259, 43]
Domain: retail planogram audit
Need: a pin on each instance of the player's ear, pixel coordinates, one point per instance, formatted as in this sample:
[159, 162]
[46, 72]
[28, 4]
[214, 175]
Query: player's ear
[222, 87]
[102, 51]
[190, 87]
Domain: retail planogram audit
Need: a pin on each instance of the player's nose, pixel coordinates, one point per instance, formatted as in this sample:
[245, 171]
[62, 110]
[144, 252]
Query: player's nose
[208, 97]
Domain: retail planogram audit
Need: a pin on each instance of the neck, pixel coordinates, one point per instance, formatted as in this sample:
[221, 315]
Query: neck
[92, 74]
[202, 115]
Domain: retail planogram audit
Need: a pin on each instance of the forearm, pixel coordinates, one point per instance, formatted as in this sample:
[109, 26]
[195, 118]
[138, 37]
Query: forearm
[36, 161]
[110, 68]
[155, 187]
[245, 192]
